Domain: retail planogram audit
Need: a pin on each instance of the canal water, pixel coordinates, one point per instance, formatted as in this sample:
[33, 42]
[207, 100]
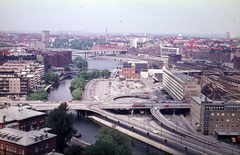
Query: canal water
[87, 127]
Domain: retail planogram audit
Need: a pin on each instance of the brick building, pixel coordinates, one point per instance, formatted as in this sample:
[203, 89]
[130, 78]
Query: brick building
[58, 59]
[133, 70]
[20, 142]
[21, 118]
[217, 118]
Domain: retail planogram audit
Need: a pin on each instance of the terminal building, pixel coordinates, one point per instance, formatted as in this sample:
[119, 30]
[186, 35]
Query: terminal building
[180, 86]
[218, 118]
[135, 70]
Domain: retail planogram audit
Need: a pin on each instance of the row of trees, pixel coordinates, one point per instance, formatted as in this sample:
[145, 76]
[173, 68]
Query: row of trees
[110, 141]
[81, 44]
[77, 85]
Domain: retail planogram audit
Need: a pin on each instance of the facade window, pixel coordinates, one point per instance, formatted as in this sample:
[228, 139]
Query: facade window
[217, 120]
[212, 120]
[46, 145]
[222, 126]
[232, 125]
[237, 120]
[36, 149]
[212, 114]
[15, 149]
[217, 125]
[227, 126]
[212, 125]
[233, 114]
[237, 126]
[238, 114]
[20, 151]
[41, 146]
[227, 120]
[222, 120]
[1, 146]
[10, 148]
[217, 114]
[232, 120]
[228, 114]
[7, 147]
[223, 114]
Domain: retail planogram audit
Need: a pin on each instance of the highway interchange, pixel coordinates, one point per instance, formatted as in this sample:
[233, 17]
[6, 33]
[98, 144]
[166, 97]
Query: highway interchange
[158, 128]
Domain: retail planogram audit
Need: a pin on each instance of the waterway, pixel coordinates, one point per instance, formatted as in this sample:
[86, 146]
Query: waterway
[87, 127]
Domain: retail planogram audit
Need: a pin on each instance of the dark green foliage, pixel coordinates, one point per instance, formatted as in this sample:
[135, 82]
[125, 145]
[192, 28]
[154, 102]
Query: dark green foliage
[51, 77]
[80, 62]
[110, 141]
[49, 66]
[86, 44]
[66, 68]
[95, 74]
[105, 73]
[74, 149]
[62, 124]
[61, 43]
[37, 95]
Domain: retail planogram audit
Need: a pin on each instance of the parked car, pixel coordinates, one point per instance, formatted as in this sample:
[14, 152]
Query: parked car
[233, 139]
[185, 101]
[166, 105]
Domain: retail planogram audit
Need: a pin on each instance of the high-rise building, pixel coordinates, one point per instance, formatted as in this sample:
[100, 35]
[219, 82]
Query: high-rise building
[45, 36]
[106, 37]
[227, 35]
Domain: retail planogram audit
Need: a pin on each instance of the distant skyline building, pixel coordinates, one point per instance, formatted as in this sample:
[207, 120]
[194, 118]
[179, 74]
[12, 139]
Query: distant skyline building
[106, 37]
[45, 36]
[227, 35]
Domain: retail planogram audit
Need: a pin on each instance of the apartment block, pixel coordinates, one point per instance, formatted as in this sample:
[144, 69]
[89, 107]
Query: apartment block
[180, 86]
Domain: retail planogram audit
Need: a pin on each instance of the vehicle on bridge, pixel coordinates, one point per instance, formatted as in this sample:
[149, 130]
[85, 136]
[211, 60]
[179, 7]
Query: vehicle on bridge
[138, 105]
[166, 105]
[168, 97]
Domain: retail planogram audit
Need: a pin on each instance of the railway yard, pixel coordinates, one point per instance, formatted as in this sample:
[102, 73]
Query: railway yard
[217, 83]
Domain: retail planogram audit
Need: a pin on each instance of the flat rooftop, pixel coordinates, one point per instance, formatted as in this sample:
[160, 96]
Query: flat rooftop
[179, 75]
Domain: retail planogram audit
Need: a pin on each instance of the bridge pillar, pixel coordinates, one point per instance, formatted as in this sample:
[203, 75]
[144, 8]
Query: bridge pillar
[86, 113]
[118, 123]
[132, 112]
[147, 134]
[132, 128]
[174, 110]
[186, 150]
[165, 142]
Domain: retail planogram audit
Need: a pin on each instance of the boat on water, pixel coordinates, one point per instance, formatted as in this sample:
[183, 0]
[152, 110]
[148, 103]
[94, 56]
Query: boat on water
[78, 135]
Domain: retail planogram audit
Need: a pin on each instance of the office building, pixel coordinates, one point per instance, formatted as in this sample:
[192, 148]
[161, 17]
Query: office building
[180, 86]
[218, 118]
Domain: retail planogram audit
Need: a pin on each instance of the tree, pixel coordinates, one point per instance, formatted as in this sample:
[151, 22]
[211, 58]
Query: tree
[49, 66]
[37, 95]
[84, 75]
[77, 94]
[51, 77]
[66, 68]
[105, 73]
[95, 74]
[110, 141]
[62, 124]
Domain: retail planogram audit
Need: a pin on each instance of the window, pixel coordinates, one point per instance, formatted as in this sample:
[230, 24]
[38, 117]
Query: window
[222, 126]
[212, 114]
[222, 120]
[7, 147]
[227, 120]
[212, 120]
[228, 114]
[217, 120]
[36, 148]
[237, 120]
[20, 151]
[10, 148]
[41, 146]
[212, 125]
[15, 149]
[237, 126]
[46, 145]
[223, 114]
[1, 146]
[232, 120]
[233, 114]
[217, 125]
[238, 114]
[232, 125]
[227, 126]
[217, 114]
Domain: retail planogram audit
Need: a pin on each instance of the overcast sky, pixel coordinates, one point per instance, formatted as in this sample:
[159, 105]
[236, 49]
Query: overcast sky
[132, 16]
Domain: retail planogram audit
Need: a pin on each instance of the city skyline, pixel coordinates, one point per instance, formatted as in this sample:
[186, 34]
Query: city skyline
[157, 17]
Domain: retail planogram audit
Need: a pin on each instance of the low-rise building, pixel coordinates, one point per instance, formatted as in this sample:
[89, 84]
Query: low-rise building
[14, 141]
[135, 70]
[217, 118]
[21, 118]
[180, 86]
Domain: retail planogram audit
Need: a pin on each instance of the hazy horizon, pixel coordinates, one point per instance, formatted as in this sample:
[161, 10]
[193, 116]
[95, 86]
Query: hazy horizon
[124, 16]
